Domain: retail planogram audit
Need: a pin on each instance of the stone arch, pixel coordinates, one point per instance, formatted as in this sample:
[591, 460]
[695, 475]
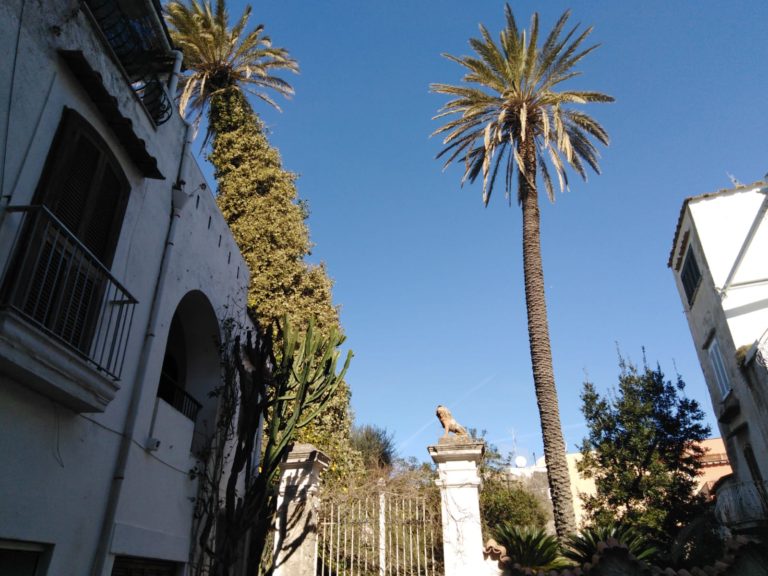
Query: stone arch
[191, 365]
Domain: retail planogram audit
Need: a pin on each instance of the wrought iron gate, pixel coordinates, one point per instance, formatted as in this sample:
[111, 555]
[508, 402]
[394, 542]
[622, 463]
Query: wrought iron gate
[380, 532]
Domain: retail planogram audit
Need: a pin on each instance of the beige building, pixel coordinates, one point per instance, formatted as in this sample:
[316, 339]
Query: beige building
[714, 467]
[719, 263]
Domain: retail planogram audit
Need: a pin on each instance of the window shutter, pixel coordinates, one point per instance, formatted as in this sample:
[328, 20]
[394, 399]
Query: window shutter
[127, 566]
[82, 185]
[67, 197]
[98, 234]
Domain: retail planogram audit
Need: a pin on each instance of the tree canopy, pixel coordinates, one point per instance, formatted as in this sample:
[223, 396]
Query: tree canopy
[219, 58]
[643, 451]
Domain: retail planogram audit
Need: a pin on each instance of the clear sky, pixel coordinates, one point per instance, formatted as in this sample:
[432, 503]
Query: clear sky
[430, 282]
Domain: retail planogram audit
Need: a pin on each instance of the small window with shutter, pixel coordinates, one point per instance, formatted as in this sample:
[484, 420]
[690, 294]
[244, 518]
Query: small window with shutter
[690, 276]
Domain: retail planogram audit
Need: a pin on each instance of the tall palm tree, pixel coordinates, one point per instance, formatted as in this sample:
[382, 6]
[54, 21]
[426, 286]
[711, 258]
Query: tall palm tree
[222, 61]
[510, 114]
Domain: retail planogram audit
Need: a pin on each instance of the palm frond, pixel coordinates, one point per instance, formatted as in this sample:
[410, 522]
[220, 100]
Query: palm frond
[508, 94]
[217, 57]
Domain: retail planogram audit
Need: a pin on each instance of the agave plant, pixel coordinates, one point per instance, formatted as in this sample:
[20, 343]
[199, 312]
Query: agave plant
[581, 547]
[530, 547]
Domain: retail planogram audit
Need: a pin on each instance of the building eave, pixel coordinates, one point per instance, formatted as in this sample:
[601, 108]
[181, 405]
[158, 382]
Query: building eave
[706, 196]
[122, 126]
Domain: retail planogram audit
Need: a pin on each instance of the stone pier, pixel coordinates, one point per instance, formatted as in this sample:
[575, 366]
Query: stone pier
[296, 519]
[457, 458]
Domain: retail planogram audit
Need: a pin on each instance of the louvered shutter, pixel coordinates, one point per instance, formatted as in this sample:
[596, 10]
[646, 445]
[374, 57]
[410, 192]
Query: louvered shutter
[127, 566]
[85, 189]
[67, 197]
[105, 219]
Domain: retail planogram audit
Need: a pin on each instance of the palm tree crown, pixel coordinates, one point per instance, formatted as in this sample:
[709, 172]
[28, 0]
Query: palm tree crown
[511, 95]
[220, 58]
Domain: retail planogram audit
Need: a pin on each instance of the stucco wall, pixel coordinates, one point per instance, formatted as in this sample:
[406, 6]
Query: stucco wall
[56, 465]
[722, 224]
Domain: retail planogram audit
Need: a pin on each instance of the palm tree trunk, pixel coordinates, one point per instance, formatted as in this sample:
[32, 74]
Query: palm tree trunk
[541, 353]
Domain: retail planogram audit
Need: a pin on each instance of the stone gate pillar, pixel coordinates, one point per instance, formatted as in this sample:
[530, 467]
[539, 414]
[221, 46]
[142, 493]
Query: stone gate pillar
[296, 518]
[457, 458]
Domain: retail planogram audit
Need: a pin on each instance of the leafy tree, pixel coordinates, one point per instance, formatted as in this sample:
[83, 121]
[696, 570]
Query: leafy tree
[502, 500]
[643, 451]
[256, 195]
[376, 445]
[512, 115]
[507, 502]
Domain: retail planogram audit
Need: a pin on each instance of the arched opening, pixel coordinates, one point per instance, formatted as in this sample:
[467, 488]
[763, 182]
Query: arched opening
[190, 369]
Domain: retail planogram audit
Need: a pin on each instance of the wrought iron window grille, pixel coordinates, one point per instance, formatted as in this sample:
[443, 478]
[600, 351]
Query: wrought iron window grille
[140, 51]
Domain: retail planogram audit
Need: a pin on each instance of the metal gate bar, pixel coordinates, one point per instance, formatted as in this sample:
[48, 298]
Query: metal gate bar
[389, 534]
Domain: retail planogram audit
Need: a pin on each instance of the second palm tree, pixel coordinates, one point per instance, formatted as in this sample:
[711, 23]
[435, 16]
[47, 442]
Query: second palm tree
[512, 118]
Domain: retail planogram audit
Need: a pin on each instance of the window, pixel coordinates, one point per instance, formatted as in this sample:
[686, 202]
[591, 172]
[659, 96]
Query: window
[22, 558]
[130, 566]
[84, 187]
[716, 360]
[85, 190]
[60, 279]
[690, 276]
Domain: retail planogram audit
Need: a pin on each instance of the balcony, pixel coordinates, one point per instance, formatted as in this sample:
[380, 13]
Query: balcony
[742, 505]
[134, 32]
[179, 398]
[729, 408]
[64, 319]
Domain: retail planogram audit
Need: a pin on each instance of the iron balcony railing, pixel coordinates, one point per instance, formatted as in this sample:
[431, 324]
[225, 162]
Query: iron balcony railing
[54, 282]
[742, 504]
[179, 398]
[135, 41]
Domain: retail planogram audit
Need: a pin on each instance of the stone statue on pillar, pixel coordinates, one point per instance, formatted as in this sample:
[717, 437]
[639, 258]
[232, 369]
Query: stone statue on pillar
[449, 423]
[457, 456]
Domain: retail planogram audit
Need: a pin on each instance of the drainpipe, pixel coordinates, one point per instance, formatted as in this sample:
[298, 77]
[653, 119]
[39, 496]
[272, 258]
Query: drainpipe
[173, 80]
[179, 199]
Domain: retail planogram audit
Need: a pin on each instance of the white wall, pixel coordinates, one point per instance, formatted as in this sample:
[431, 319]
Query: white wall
[722, 223]
[56, 466]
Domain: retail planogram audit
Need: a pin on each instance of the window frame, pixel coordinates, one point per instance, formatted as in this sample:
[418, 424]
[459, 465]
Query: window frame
[43, 552]
[690, 276]
[73, 126]
[719, 369]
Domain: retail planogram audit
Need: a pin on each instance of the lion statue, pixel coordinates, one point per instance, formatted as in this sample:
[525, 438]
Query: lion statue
[449, 422]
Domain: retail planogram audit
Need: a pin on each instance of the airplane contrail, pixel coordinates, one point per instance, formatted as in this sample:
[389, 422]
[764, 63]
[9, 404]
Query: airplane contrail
[431, 421]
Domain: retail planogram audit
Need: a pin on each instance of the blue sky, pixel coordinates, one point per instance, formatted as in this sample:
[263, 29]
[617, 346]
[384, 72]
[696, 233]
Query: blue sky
[430, 282]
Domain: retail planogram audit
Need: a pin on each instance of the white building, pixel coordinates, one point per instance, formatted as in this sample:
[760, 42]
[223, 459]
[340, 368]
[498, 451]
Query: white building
[117, 272]
[720, 262]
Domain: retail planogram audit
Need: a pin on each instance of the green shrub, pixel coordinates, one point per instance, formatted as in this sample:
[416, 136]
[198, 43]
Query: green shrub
[530, 547]
[581, 547]
[510, 503]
